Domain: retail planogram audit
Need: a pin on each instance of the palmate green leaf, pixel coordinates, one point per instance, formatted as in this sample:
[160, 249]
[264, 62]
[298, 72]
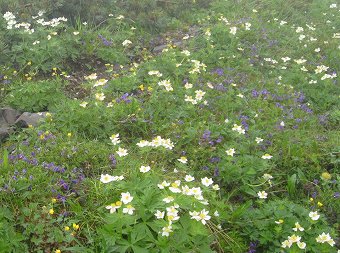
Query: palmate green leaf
[138, 249]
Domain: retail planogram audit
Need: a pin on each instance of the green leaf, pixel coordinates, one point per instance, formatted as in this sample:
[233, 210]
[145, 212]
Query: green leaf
[291, 185]
[5, 160]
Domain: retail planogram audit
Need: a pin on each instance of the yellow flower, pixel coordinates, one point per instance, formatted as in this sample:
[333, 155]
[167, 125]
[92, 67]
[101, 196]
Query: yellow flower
[54, 200]
[69, 134]
[29, 63]
[326, 176]
[150, 88]
[320, 204]
[57, 251]
[75, 226]
[141, 87]
[67, 228]
[51, 211]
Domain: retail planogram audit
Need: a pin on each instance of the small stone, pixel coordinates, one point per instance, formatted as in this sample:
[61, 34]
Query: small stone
[32, 119]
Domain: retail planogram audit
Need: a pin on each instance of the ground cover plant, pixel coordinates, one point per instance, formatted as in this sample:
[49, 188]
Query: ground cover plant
[206, 126]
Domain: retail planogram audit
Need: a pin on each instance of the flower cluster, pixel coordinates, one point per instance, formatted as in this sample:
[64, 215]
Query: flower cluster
[156, 142]
[166, 84]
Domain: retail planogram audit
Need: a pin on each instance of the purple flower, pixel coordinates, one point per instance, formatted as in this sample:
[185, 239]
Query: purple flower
[216, 172]
[254, 93]
[215, 159]
[113, 160]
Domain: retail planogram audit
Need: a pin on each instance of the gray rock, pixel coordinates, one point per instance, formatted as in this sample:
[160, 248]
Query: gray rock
[159, 49]
[4, 133]
[28, 118]
[10, 115]
[3, 121]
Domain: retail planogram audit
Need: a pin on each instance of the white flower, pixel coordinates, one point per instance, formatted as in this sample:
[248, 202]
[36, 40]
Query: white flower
[126, 197]
[301, 245]
[199, 95]
[168, 199]
[186, 190]
[114, 206]
[126, 43]
[323, 238]
[266, 156]
[230, 152]
[294, 238]
[207, 181]
[185, 52]
[83, 104]
[190, 99]
[119, 17]
[216, 187]
[200, 216]
[155, 73]
[163, 185]
[331, 242]
[285, 59]
[216, 213]
[166, 230]
[299, 29]
[188, 85]
[262, 194]
[279, 222]
[115, 139]
[175, 186]
[75, 33]
[189, 178]
[166, 84]
[120, 178]
[298, 227]
[129, 209]
[100, 82]
[314, 215]
[286, 244]
[238, 129]
[100, 96]
[183, 159]
[258, 140]
[106, 178]
[233, 30]
[196, 191]
[143, 143]
[159, 214]
[122, 152]
[144, 169]
[91, 77]
[333, 6]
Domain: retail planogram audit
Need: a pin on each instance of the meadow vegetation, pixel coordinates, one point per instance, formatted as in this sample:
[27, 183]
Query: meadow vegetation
[171, 126]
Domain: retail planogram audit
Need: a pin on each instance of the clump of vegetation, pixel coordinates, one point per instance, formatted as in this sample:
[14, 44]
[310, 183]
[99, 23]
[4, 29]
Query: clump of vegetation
[218, 136]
